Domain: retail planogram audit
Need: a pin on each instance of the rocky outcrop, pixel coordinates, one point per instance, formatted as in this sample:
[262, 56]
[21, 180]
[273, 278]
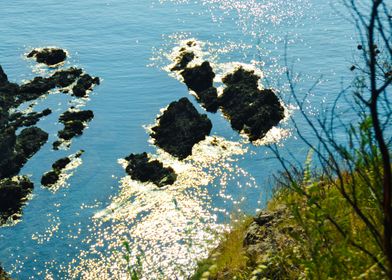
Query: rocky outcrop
[74, 123]
[249, 109]
[13, 193]
[141, 168]
[40, 86]
[19, 119]
[48, 56]
[51, 177]
[85, 83]
[209, 99]
[16, 150]
[182, 60]
[199, 78]
[179, 128]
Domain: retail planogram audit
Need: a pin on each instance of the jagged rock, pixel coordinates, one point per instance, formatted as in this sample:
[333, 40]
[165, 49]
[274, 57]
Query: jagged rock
[13, 194]
[19, 119]
[3, 77]
[85, 83]
[61, 163]
[8, 95]
[16, 150]
[199, 78]
[64, 78]
[40, 86]
[48, 56]
[30, 140]
[209, 99]
[74, 124]
[242, 76]
[51, 177]
[250, 109]
[182, 60]
[180, 127]
[142, 169]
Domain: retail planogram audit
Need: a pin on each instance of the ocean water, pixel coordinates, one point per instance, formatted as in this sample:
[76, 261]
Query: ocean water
[77, 230]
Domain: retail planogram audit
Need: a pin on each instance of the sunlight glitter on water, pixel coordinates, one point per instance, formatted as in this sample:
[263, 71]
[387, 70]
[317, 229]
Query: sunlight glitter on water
[169, 229]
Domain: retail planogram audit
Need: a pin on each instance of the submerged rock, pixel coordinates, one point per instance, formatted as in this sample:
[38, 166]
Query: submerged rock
[13, 193]
[48, 56]
[51, 177]
[250, 109]
[179, 128]
[199, 78]
[74, 123]
[141, 168]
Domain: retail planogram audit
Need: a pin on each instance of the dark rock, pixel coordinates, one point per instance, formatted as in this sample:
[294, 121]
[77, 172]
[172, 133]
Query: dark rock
[36, 87]
[61, 163]
[83, 116]
[18, 119]
[209, 99]
[183, 60]
[199, 78]
[242, 76]
[13, 194]
[3, 77]
[40, 86]
[64, 78]
[85, 83]
[16, 150]
[57, 144]
[71, 129]
[48, 56]
[50, 178]
[29, 141]
[142, 169]
[180, 127]
[249, 109]
[74, 123]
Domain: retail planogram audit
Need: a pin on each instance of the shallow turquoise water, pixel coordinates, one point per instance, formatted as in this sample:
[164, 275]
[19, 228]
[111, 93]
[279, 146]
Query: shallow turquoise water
[126, 43]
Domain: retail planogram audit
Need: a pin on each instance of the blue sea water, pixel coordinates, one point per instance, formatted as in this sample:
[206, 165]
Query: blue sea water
[70, 233]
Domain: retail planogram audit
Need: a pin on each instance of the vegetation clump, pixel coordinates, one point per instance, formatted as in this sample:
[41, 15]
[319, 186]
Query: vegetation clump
[330, 218]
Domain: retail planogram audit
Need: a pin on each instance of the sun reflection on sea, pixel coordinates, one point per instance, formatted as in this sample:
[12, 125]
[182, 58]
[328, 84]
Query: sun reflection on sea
[169, 229]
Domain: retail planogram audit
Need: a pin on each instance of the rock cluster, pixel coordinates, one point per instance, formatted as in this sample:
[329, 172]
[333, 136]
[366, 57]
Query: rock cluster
[17, 146]
[141, 168]
[48, 56]
[74, 123]
[51, 177]
[85, 83]
[15, 150]
[13, 193]
[250, 110]
[179, 128]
